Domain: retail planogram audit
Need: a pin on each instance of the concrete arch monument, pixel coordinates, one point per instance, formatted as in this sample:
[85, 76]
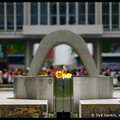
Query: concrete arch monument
[62, 37]
[63, 95]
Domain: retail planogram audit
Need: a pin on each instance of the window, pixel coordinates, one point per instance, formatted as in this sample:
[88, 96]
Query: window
[10, 15]
[53, 12]
[34, 13]
[115, 15]
[105, 14]
[1, 15]
[43, 13]
[19, 14]
[81, 13]
[91, 13]
[62, 7]
[72, 14]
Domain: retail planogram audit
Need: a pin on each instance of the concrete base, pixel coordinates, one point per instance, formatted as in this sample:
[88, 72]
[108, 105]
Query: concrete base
[16, 108]
[100, 108]
[91, 87]
[37, 88]
[82, 88]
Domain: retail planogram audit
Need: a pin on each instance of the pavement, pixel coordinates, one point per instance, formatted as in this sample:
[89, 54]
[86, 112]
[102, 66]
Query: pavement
[7, 97]
[8, 93]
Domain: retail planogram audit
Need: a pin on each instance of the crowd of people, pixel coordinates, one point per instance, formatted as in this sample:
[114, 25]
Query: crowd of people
[7, 76]
[113, 71]
[52, 71]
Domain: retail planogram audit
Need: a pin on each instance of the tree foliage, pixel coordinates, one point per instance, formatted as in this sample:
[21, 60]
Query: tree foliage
[110, 47]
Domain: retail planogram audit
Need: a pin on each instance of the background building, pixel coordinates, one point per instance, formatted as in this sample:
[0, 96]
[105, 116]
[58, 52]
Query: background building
[28, 22]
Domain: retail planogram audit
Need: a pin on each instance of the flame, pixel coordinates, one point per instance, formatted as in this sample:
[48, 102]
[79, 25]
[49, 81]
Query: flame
[62, 74]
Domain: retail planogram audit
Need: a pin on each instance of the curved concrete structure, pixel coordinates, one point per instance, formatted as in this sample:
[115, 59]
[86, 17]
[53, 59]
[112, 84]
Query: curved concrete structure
[62, 37]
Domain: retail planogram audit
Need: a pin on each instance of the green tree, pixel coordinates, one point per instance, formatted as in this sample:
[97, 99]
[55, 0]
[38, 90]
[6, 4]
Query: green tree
[110, 47]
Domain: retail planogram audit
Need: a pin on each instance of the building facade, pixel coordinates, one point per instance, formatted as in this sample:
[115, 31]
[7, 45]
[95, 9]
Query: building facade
[29, 22]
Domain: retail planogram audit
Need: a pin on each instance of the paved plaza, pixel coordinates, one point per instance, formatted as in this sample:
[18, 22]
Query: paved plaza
[7, 97]
[116, 93]
[7, 93]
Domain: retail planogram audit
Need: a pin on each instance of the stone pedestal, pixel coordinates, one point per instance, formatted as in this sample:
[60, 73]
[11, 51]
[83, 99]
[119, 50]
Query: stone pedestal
[91, 87]
[81, 88]
[13, 108]
[37, 88]
[101, 108]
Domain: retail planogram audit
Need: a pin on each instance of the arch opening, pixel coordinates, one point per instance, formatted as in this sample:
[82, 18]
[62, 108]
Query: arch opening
[64, 57]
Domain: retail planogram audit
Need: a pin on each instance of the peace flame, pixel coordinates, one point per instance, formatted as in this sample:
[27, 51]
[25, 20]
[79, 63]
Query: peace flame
[63, 75]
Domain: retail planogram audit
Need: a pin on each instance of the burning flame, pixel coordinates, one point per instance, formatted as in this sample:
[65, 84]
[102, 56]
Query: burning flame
[62, 74]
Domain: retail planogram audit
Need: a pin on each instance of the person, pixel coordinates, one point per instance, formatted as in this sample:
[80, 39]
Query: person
[26, 72]
[16, 71]
[118, 77]
[115, 80]
[44, 73]
[113, 72]
[82, 72]
[9, 77]
[5, 77]
[20, 74]
[12, 77]
[51, 73]
[78, 72]
[51, 69]
[107, 72]
[74, 72]
[1, 73]
[41, 72]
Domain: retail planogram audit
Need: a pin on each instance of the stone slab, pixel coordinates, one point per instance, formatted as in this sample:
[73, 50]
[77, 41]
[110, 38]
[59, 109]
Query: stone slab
[22, 108]
[99, 108]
